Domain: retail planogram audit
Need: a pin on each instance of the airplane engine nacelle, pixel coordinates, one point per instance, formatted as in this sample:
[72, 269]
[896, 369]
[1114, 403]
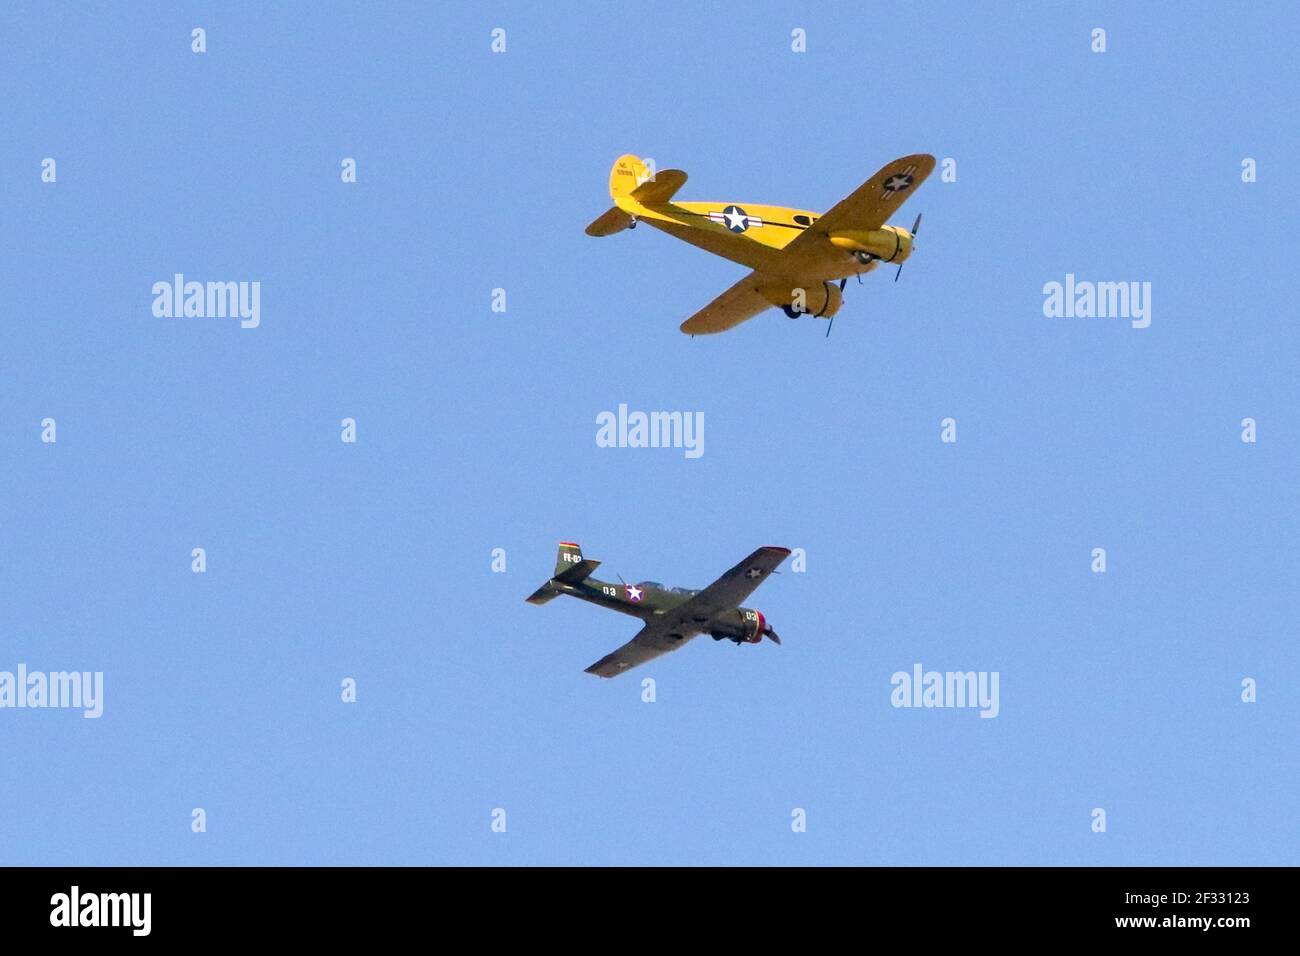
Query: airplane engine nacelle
[741, 625]
[889, 243]
[819, 299]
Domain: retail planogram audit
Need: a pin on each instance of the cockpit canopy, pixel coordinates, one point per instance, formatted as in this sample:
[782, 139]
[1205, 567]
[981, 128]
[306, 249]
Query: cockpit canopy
[660, 587]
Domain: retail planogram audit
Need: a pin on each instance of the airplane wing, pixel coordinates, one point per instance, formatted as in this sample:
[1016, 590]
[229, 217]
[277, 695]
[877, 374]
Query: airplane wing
[871, 204]
[732, 588]
[673, 630]
[654, 639]
[700, 231]
[728, 310]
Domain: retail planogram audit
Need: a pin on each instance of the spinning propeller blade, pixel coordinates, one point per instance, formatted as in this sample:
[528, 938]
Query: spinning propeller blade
[915, 227]
[843, 282]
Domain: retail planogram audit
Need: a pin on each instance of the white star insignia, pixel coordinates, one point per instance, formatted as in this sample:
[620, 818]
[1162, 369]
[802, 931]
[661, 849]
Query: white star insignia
[633, 593]
[896, 184]
[735, 218]
[754, 573]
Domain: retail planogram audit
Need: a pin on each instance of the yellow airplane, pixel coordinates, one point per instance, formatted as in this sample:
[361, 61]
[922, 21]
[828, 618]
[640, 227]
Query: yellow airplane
[795, 254]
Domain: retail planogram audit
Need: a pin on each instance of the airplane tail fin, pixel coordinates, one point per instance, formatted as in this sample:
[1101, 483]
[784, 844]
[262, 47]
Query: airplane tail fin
[568, 556]
[633, 184]
[570, 568]
[628, 174]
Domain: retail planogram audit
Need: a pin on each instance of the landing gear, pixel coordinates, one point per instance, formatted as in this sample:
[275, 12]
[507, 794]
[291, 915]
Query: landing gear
[864, 257]
[791, 312]
[632, 223]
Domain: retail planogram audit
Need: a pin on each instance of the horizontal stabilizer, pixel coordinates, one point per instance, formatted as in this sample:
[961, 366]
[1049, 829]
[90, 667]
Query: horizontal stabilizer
[547, 592]
[577, 572]
[610, 221]
[661, 188]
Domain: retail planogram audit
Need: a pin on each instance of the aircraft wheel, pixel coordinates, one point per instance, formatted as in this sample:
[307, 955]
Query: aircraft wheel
[863, 257]
[790, 312]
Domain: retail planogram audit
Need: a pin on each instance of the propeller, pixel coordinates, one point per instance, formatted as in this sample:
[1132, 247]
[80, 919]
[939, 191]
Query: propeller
[771, 635]
[915, 227]
[843, 282]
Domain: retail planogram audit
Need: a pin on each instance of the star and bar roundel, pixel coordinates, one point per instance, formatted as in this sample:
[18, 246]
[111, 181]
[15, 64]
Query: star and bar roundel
[735, 218]
[899, 182]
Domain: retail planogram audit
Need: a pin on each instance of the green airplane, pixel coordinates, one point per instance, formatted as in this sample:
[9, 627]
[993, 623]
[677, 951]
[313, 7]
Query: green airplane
[672, 616]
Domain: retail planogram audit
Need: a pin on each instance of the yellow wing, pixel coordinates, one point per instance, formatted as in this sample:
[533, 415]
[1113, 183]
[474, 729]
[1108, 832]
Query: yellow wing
[728, 310]
[870, 205]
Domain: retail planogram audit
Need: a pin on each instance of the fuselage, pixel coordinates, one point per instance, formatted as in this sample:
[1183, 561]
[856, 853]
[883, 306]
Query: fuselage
[774, 226]
[649, 600]
[715, 227]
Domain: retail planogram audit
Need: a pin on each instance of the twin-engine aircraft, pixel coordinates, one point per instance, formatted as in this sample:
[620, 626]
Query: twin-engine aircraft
[672, 616]
[795, 254]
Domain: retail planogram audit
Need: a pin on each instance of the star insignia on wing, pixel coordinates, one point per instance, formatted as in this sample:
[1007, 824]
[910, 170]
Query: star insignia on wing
[754, 573]
[898, 182]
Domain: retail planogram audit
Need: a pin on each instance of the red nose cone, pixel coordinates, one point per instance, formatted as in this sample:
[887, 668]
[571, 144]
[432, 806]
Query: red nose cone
[759, 629]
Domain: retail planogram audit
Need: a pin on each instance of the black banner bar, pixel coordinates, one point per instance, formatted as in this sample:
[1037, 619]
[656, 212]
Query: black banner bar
[365, 904]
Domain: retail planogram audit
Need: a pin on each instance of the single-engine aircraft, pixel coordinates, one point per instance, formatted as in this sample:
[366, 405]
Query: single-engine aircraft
[672, 616]
[795, 254]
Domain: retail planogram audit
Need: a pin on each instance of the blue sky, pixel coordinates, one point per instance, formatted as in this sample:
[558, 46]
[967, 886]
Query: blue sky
[476, 430]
